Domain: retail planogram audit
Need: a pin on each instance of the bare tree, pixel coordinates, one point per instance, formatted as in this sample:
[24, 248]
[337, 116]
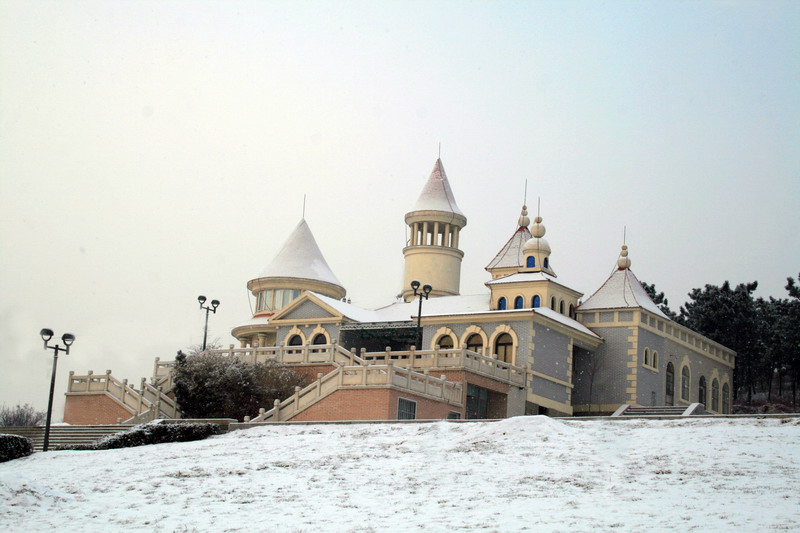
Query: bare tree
[21, 415]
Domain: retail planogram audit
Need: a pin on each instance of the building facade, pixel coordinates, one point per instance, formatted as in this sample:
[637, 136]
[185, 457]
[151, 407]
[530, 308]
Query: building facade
[528, 345]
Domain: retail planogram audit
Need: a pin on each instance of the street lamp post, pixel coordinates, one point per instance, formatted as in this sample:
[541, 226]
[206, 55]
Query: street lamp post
[426, 290]
[67, 339]
[213, 309]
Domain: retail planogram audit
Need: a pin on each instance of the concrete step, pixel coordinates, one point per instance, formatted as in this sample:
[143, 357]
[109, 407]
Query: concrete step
[62, 435]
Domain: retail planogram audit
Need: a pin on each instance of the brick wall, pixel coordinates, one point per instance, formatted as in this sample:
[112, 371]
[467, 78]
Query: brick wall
[89, 409]
[371, 404]
[311, 371]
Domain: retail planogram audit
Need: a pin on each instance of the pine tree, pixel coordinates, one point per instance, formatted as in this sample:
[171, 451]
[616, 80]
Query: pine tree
[659, 299]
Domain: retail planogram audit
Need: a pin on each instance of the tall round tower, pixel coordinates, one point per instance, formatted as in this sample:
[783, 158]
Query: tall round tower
[431, 253]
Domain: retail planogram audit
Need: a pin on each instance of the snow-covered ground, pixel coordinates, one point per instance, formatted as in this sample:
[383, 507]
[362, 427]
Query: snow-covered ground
[521, 474]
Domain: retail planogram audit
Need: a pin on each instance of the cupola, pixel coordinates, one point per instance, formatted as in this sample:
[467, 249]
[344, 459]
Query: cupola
[536, 252]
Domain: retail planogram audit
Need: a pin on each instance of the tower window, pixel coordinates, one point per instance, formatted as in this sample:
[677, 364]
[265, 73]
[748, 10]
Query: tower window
[561, 307]
[531, 262]
[553, 303]
[537, 301]
[547, 262]
[501, 303]
[571, 311]
[518, 302]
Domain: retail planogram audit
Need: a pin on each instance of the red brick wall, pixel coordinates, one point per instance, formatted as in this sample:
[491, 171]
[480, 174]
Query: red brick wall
[88, 409]
[371, 404]
[311, 371]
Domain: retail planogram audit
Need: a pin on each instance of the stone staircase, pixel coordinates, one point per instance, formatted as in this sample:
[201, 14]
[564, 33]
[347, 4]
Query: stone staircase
[65, 435]
[666, 411]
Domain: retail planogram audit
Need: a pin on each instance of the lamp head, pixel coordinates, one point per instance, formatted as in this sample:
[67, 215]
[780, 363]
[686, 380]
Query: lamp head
[46, 334]
[215, 304]
[415, 285]
[68, 339]
[427, 290]
[201, 299]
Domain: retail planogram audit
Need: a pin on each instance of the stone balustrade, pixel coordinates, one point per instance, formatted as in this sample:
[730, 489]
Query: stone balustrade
[148, 399]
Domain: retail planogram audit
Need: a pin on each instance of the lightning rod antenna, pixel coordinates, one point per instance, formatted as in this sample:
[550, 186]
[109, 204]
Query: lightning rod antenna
[624, 234]
[525, 196]
[304, 207]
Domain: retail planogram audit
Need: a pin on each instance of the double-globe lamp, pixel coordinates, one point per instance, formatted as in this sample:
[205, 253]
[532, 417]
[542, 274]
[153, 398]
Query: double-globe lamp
[67, 339]
[426, 290]
[213, 309]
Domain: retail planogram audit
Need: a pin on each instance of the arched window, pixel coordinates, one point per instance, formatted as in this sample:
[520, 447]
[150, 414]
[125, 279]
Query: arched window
[501, 303]
[518, 302]
[531, 262]
[685, 383]
[647, 356]
[547, 262]
[319, 338]
[701, 391]
[669, 397]
[504, 348]
[715, 395]
[475, 343]
[655, 359]
[726, 398]
[561, 307]
[571, 311]
[295, 340]
[553, 303]
[445, 342]
[537, 302]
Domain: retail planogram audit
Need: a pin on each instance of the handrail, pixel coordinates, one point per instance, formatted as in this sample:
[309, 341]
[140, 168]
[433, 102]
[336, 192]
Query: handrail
[148, 398]
[362, 376]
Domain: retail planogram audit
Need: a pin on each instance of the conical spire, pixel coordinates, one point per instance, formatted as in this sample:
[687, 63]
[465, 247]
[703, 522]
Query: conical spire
[300, 257]
[622, 290]
[437, 194]
[510, 255]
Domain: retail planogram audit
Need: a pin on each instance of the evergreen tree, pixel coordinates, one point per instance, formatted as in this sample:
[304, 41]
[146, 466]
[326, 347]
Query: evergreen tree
[659, 299]
[212, 385]
[728, 316]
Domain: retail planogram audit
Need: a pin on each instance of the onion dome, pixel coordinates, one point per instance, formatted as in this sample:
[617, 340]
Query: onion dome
[624, 262]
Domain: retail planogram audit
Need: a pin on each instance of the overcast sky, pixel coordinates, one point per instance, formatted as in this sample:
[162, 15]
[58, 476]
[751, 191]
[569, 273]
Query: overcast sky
[154, 151]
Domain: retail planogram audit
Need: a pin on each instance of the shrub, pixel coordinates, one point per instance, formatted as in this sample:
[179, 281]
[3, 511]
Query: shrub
[151, 433]
[21, 415]
[216, 386]
[14, 447]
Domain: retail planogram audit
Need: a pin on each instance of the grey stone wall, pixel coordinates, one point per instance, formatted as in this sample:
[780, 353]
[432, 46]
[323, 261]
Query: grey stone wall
[610, 375]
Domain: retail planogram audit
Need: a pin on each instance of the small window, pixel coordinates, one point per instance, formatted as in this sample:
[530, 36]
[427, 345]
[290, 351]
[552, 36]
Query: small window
[561, 307]
[406, 409]
[454, 415]
[553, 303]
[647, 356]
[504, 348]
[701, 391]
[319, 338]
[655, 359]
[295, 340]
[715, 395]
[685, 383]
[445, 342]
[531, 262]
[501, 303]
[475, 343]
[547, 262]
[571, 311]
[537, 302]
[518, 302]
[726, 398]
[670, 385]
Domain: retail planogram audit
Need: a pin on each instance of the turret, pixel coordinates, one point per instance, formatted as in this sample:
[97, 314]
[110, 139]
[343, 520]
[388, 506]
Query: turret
[431, 254]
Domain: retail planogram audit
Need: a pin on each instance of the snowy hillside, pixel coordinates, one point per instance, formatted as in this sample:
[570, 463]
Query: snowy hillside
[522, 474]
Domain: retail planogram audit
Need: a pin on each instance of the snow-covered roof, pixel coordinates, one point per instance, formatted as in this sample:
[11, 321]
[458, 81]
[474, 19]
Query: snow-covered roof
[511, 254]
[443, 305]
[621, 290]
[300, 257]
[565, 320]
[437, 194]
[524, 276]
[353, 312]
